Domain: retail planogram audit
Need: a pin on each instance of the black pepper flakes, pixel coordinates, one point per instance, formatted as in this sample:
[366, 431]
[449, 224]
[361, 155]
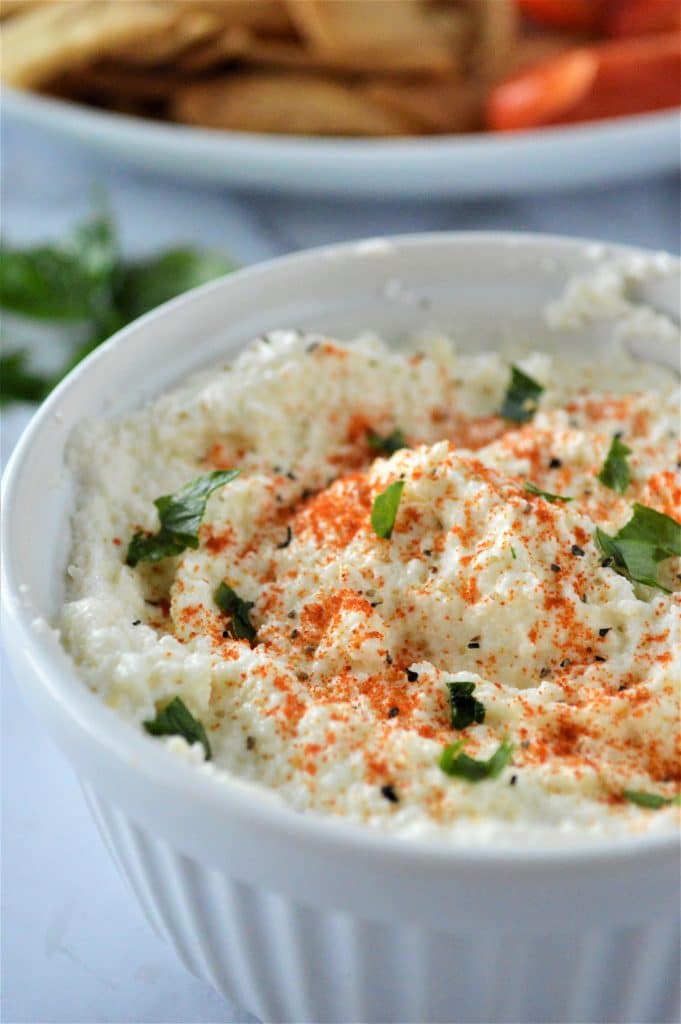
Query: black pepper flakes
[599, 658]
[473, 645]
[312, 346]
[555, 567]
[289, 537]
[607, 562]
[412, 676]
[512, 781]
[393, 713]
[555, 463]
[225, 634]
[565, 663]
[604, 631]
[388, 659]
[293, 634]
[427, 553]
[137, 622]
[250, 742]
[389, 793]
[545, 672]
[576, 550]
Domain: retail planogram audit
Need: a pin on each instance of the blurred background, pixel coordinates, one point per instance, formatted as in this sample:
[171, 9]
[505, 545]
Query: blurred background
[316, 168]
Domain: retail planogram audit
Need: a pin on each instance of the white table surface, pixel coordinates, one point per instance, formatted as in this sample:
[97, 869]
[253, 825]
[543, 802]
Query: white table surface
[75, 945]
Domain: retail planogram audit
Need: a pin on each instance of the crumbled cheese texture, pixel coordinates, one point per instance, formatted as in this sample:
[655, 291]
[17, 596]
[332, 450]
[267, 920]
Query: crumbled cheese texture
[341, 703]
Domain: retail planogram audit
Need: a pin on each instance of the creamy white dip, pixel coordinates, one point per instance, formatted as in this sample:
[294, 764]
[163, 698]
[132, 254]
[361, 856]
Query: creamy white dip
[341, 703]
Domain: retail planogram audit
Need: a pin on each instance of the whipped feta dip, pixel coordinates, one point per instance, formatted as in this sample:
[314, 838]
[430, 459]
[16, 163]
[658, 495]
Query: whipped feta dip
[336, 688]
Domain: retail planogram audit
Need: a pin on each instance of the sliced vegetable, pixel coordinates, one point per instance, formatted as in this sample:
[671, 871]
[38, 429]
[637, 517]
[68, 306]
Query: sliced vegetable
[180, 515]
[175, 719]
[384, 510]
[543, 92]
[578, 15]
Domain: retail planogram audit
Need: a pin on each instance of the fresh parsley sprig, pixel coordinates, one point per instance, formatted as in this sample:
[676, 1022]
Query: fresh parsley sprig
[615, 472]
[384, 510]
[465, 708]
[389, 444]
[522, 397]
[180, 515]
[636, 550]
[652, 801]
[454, 762]
[175, 719]
[238, 610]
[533, 489]
[81, 280]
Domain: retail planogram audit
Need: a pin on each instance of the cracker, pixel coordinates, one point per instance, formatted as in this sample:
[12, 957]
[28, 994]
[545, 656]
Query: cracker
[190, 28]
[387, 34]
[295, 104]
[49, 39]
[441, 105]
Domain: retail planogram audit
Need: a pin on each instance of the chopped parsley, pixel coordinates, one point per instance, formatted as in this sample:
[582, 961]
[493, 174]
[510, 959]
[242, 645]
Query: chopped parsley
[180, 515]
[466, 709]
[647, 539]
[653, 801]
[175, 719]
[521, 398]
[384, 511]
[389, 444]
[454, 762]
[239, 611]
[533, 489]
[615, 472]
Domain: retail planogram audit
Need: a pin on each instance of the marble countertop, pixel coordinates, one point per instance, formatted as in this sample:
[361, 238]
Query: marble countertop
[76, 947]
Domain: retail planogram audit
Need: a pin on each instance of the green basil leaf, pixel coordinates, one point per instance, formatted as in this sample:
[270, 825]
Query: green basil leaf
[533, 489]
[147, 283]
[465, 708]
[454, 762]
[180, 515]
[648, 538]
[615, 472]
[18, 382]
[177, 720]
[388, 445]
[239, 611]
[384, 510]
[653, 801]
[521, 398]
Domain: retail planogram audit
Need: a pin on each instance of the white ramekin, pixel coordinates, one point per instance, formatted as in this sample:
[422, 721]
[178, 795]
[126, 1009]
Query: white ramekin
[299, 917]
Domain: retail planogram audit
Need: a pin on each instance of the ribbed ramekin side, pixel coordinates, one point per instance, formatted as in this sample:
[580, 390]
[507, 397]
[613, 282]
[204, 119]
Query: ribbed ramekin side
[287, 962]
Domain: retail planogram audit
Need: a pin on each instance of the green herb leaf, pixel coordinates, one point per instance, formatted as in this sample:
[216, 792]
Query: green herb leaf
[521, 398]
[615, 472]
[229, 602]
[180, 515]
[384, 510]
[647, 539]
[18, 382]
[454, 762]
[68, 281]
[148, 283]
[177, 720]
[388, 445]
[81, 280]
[466, 709]
[533, 489]
[653, 801]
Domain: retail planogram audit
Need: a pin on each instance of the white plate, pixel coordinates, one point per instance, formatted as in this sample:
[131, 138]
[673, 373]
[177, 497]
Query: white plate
[459, 165]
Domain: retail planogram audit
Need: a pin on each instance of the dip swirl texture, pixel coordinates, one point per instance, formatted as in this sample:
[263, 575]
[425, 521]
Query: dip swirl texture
[343, 702]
